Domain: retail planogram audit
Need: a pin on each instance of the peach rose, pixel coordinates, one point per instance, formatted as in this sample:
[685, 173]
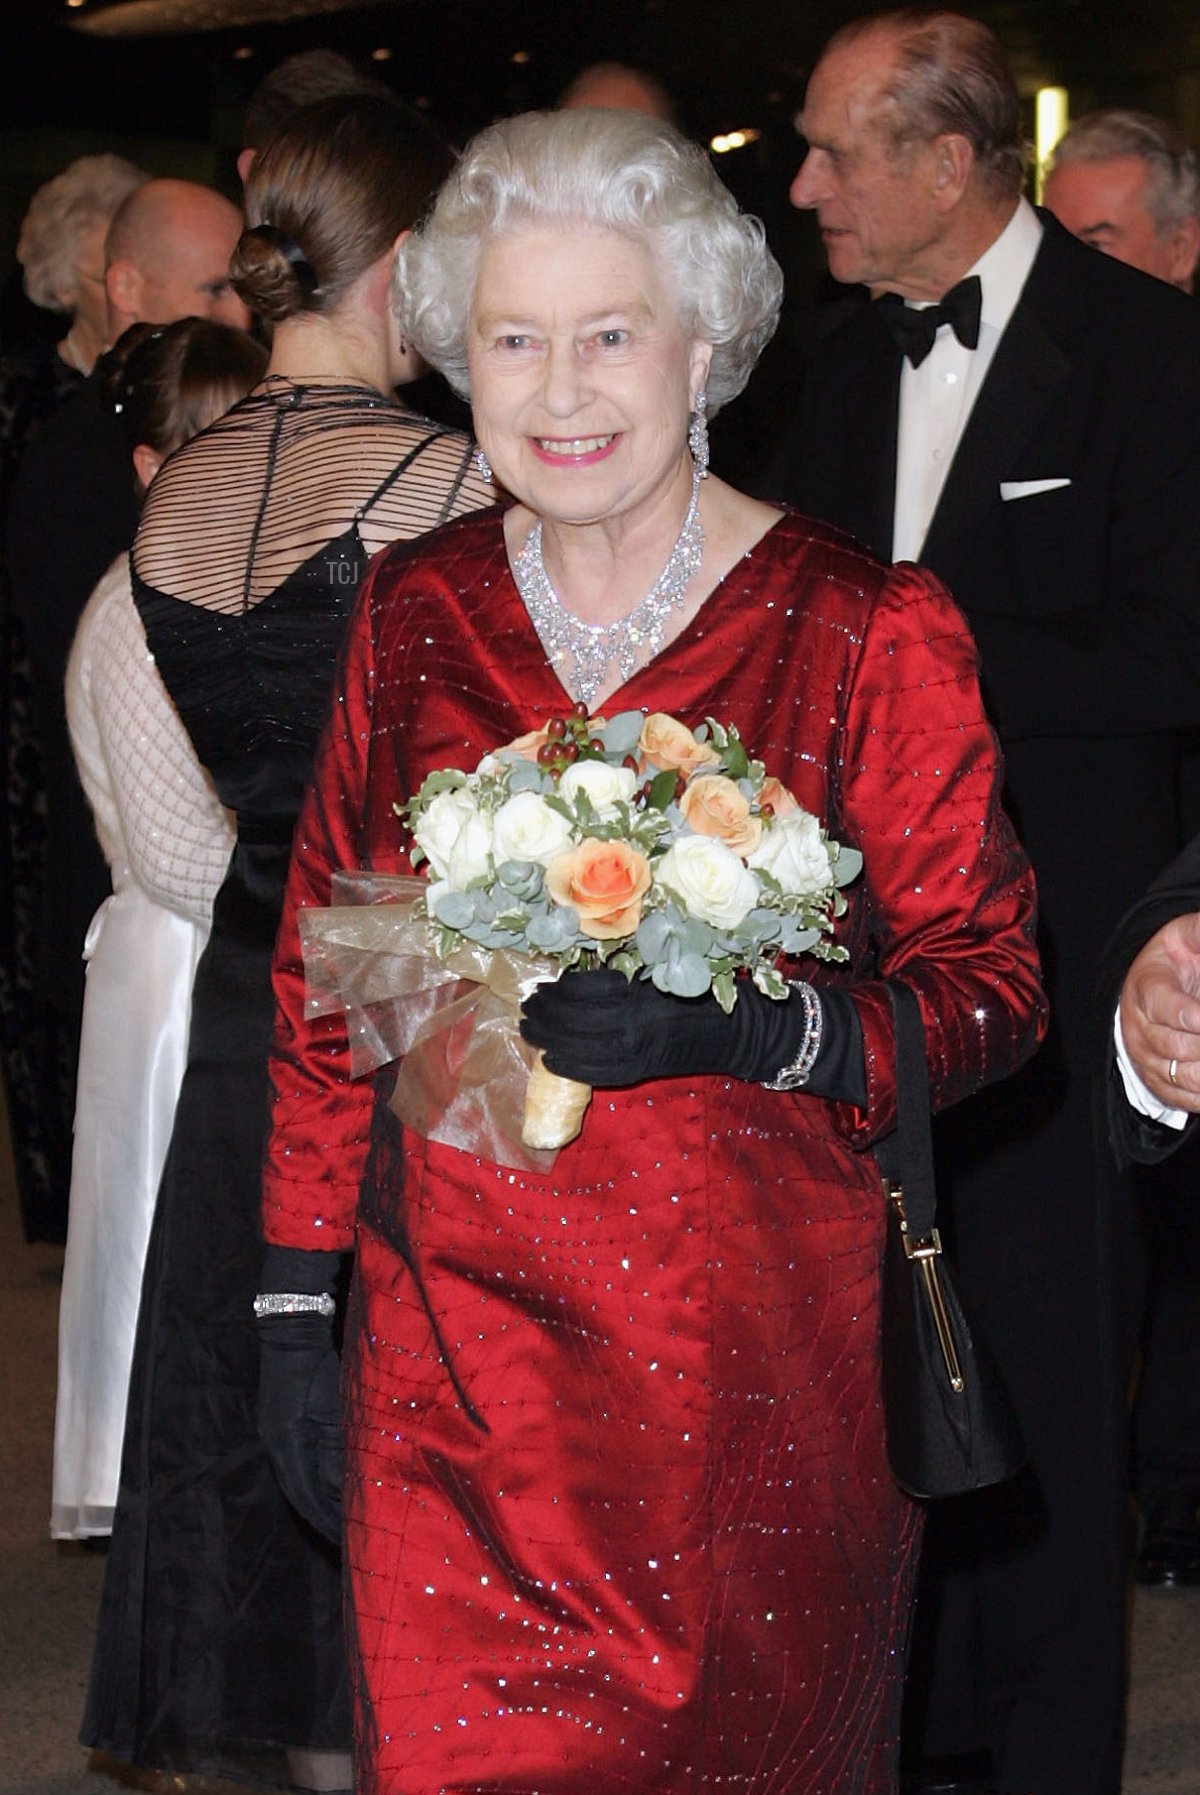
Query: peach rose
[668, 744]
[776, 797]
[527, 745]
[604, 882]
[713, 805]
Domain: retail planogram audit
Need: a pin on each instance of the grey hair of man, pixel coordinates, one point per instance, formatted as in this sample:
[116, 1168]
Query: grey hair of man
[950, 77]
[85, 194]
[595, 170]
[1172, 192]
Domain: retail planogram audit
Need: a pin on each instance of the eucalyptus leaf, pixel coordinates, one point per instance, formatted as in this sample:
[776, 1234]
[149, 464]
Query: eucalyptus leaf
[794, 940]
[553, 932]
[523, 878]
[494, 938]
[653, 934]
[695, 936]
[761, 925]
[622, 733]
[454, 909]
[524, 776]
[624, 961]
[682, 975]
[847, 864]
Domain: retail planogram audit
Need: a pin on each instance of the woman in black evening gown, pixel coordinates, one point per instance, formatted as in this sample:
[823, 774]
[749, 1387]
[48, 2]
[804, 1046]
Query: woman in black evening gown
[220, 1644]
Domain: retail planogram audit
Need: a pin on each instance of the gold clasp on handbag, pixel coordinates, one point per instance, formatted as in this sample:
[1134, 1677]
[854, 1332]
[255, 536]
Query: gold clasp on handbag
[927, 1252]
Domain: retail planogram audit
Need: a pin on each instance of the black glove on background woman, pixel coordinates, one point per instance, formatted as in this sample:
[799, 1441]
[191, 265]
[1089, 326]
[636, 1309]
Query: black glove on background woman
[606, 1030]
[299, 1397]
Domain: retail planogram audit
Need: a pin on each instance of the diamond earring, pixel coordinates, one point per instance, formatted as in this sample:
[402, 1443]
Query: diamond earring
[485, 467]
[698, 434]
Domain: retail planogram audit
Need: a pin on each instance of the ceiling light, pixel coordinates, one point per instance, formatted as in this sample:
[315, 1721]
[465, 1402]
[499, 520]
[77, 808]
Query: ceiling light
[733, 140]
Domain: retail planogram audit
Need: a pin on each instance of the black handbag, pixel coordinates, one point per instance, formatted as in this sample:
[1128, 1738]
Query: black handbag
[949, 1420]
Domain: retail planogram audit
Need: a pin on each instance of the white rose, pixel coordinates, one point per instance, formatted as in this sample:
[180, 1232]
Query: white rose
[709, 880]
[455, 838]
[603, 784]
[525, 828]
[435, 891]
[471, 856]
[792, 851]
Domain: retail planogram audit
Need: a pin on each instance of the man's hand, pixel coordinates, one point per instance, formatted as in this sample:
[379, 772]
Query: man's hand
[1160, 1013]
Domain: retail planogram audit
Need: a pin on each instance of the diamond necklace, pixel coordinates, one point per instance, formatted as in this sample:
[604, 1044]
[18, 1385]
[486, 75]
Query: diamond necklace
[632, 639]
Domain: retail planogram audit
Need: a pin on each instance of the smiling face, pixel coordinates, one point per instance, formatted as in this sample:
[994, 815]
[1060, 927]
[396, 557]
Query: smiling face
[582, 379]
[1104, 203]
[876, 206]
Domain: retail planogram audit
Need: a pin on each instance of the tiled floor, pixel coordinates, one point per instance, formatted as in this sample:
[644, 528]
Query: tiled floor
[49, 1594]
[1163, 1753]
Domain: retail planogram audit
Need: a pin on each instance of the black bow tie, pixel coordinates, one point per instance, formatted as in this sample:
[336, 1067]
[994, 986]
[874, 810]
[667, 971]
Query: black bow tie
[915, 328]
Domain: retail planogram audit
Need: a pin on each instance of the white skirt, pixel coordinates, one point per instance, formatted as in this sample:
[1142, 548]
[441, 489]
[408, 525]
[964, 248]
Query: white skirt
[133, 1049]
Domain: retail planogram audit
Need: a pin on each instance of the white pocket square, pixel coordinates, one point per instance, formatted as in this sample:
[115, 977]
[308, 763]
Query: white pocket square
[1025, 489]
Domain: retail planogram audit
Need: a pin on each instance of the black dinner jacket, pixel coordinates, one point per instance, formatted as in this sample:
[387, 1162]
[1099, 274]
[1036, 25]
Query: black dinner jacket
[1084, 601]
[1096, 380]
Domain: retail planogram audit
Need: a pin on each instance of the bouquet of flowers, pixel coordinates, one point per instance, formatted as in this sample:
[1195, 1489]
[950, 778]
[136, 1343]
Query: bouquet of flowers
[631, 842]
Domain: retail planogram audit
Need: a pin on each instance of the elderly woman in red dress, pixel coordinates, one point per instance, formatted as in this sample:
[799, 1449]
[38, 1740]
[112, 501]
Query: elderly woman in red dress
[617, 1507]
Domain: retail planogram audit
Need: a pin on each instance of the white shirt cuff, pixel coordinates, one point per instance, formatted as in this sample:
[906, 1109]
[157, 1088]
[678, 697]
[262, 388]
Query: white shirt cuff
[1141, 1099]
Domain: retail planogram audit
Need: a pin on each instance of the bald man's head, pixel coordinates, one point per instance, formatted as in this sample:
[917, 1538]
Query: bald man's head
[167, 257]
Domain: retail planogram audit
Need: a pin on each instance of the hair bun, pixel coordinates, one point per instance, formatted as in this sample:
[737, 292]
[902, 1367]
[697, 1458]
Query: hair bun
[271, 272]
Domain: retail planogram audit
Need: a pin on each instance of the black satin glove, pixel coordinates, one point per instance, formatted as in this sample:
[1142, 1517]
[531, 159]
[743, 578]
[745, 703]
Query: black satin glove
[606, 1031]
[299, 1396]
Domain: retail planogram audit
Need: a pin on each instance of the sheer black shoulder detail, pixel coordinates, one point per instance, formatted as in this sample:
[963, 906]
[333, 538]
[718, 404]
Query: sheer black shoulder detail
[260, 493]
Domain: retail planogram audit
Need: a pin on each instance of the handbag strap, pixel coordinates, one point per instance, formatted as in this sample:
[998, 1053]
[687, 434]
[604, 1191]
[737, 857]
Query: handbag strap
[906, 1157]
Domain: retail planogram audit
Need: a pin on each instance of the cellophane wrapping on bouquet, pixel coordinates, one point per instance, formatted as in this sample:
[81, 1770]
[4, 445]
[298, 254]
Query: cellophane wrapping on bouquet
[464, 1073]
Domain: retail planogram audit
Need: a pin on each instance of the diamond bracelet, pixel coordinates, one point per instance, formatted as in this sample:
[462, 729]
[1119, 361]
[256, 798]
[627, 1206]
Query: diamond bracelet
[294, 1303]
[794, 1076]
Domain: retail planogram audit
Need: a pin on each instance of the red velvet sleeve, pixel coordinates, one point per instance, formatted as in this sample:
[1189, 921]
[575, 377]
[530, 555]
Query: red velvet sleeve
[950, 897]
[320, 1117]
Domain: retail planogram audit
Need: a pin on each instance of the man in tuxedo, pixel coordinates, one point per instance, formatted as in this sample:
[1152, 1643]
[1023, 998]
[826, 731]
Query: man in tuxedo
[1128, 184]
[1022, 415]
[1152, 979]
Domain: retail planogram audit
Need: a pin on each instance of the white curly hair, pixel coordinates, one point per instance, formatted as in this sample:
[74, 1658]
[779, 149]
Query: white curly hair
[594, 169]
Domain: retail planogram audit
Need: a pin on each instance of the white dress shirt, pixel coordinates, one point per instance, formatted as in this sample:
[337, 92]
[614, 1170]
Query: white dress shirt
[1140, 1096]
[936, 398]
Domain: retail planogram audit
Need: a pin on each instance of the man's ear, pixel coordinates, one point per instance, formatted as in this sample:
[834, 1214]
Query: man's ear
[1184, 253]
[123, 284]
[953, 160]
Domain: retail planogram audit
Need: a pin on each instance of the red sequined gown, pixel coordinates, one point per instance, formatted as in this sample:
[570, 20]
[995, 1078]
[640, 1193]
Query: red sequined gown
[619, 1514]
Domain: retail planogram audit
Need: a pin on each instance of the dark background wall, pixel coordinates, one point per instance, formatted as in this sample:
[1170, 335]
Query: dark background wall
[173, 101]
